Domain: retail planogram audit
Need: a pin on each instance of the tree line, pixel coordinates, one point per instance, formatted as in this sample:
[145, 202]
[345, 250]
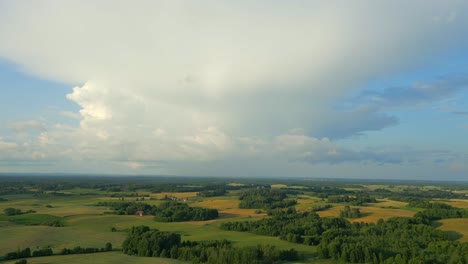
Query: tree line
[264, 198]
[168, 211]
[143, 241]
[15, 211]
[212, 193]
[27, 253]
[359, 199]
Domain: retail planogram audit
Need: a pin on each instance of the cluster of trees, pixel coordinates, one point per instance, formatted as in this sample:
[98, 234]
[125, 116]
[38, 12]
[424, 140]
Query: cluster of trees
[398, 240]
[325, 191]
[26, 253]
[80, 250]
[437, 214]
[53, 222]
[349, 212]
[134, 194]
[43, 252]
[359, 199]
[287, 224]
[318, 208]
[9, 188]
[212, 193]
[179, 212]
[143, 241]
[422, 203]
[15, 211]
[434, 211]
[128, 208]
[264, 198]
[3, 199]
[169, 211]
[416, 192]
[419, 203]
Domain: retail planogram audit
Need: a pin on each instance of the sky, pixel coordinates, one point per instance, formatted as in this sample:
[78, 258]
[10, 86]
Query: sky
[327, 89]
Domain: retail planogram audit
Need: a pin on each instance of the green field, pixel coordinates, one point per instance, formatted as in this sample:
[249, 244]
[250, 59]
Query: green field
[99, 258]
[31, 219]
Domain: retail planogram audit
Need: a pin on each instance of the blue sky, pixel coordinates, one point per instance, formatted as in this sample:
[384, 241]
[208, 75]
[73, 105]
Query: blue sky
[306, 89]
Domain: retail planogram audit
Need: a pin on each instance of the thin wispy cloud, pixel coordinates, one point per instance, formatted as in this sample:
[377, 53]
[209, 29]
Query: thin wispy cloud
[418, 94]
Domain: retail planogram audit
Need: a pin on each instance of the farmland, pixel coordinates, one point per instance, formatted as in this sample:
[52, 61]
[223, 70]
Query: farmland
[75, 204]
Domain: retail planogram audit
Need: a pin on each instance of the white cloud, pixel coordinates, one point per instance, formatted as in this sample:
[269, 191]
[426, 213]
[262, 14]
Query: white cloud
[43, 139]
[91, 99]
[7, 145]
[135, 165]
[176, 81]
[27, 125]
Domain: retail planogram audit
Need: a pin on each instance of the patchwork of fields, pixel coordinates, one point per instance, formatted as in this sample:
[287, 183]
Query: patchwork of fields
[87, 225]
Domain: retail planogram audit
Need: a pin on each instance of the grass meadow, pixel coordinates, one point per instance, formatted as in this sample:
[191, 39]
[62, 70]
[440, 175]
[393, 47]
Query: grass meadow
[99, 258]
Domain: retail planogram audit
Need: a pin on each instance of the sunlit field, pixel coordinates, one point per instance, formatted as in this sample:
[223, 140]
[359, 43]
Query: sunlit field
[458, 225]
[87, 225]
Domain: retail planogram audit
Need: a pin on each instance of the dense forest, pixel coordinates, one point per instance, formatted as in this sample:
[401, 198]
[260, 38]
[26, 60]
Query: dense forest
[359, 199]
[27, 252]
[397, 240]
[168, 211]
[264, 198]
[143, 241]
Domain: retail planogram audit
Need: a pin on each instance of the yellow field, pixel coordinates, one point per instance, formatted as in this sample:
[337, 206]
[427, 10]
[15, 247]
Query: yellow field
[307, 204]
[174, 194]
[279, 186]
[332, 212]
[388, 203]
[219, 204]
[227, 209]
[459, 225]
[373, 214]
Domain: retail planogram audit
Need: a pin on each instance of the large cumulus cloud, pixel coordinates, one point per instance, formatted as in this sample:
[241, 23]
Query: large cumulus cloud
[162, 81]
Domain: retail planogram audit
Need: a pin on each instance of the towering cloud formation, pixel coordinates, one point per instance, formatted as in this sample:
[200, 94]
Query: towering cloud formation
[163, 81]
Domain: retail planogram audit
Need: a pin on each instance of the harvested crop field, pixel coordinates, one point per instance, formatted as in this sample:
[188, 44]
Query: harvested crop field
[332, 212]
[458, 225]
[388, 203]
[373, 214]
